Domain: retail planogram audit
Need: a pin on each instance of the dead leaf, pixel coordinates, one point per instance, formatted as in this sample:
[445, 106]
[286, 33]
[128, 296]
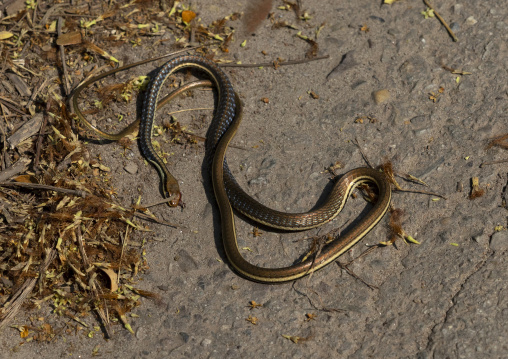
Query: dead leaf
[71, 38]
[113, 278]
[5, 35]
[188, 16]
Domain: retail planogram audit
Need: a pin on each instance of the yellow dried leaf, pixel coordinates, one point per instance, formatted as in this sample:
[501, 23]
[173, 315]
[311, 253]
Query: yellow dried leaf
[104, 168]
[51, 27]
[24, 333]
[293, 338]
[5, 35]
[253, 320]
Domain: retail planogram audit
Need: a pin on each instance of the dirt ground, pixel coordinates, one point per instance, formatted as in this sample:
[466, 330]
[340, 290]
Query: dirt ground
[446, 297]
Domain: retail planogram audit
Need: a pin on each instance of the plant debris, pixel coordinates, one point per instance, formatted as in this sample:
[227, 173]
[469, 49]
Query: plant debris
[476, 191]
[63, 236]
[65, 241]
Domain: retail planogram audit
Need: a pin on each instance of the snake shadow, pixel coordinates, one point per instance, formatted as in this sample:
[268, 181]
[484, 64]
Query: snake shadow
[207, 182]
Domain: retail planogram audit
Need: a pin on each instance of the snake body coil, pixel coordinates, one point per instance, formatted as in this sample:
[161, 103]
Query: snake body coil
[228, 193]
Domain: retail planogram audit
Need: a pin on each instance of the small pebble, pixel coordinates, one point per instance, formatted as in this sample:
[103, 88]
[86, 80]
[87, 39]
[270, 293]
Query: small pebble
[131, 168]
[141, 333]
[381, 96]
[501, 26]
[481, 239]
[185, 261]
[471, 20]
[206, 342]
[314, 175]
[457, 8]
[499, 241]
[455, 26]
[260, 180]
[380, 19]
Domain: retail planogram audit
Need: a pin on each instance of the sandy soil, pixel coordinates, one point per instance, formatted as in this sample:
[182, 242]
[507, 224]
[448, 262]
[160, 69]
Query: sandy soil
[444, 298]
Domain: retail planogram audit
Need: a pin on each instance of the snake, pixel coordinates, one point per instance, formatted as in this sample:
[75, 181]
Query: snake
[229, 194]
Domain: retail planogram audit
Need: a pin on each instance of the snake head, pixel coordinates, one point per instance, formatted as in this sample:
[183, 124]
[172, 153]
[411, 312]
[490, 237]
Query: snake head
[175, 199]
[171, 190]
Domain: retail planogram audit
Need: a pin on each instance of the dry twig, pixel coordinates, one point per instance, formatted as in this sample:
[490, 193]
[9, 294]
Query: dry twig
[442, 21]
